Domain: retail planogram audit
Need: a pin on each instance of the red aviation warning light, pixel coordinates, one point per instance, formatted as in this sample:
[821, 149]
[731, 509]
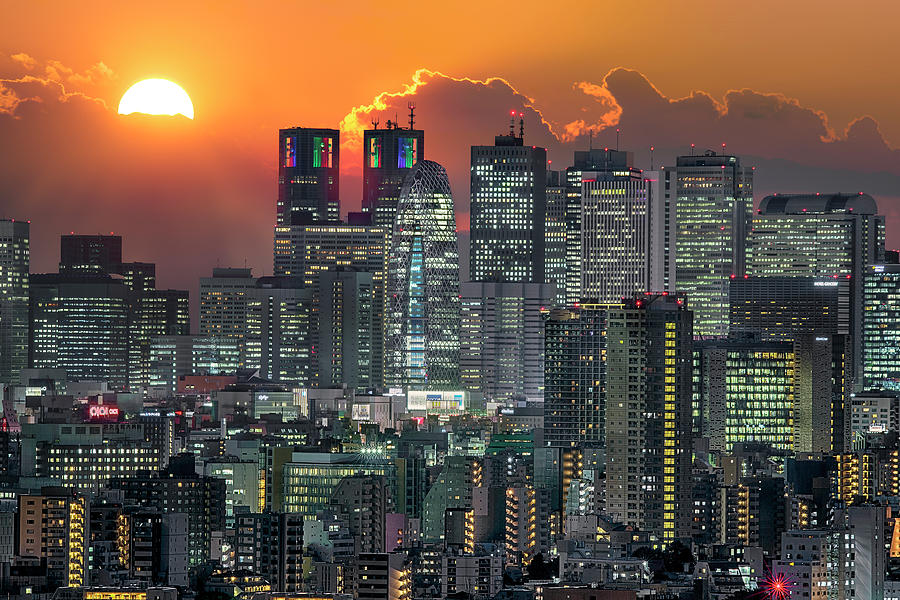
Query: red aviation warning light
[776, 587]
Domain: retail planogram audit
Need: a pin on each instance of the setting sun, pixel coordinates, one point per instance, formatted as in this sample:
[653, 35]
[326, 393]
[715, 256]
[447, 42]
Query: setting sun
[156, 97]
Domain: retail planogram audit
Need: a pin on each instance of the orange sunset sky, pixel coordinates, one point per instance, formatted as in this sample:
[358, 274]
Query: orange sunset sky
[806, 91]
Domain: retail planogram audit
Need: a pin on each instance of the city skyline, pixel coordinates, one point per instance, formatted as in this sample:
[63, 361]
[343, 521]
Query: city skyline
[628, 327]
[218, 169]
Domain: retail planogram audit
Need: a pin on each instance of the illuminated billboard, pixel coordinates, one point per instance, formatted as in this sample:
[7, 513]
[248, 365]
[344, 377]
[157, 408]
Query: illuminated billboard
[98, 412]
[452, 402]
[407, 152]
[362, 412]
[290, 151]
[322, 152]
[375, 152]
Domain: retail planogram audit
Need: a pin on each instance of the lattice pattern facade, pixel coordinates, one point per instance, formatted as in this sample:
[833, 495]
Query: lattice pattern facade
[423, 317]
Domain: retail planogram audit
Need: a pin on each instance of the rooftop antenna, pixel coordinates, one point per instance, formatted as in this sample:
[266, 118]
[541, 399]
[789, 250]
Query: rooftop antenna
[396, 121]
[723, 149]
[692, 149]
[590, 139]
[512, 123]
[412, 113]
[617, 139]
[651, 158]
[374, 123]
[522, 125]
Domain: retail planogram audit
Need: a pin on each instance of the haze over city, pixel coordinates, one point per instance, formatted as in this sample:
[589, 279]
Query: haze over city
[770, 81]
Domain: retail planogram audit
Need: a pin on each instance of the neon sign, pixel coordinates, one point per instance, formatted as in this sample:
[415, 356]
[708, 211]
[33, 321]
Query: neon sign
[102, 412]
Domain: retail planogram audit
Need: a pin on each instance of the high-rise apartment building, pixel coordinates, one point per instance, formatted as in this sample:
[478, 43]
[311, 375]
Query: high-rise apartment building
[711, 197]
[53, 527]
[881, 327]
[828, 236]
[14, 264]
[648, 414]
[508, 211]
[363, 501]
[423, 305]
[501, 354]
[575, 376]
[308, 176]
[271, 544]
[382, 576]
[202, 499]
[389, 154]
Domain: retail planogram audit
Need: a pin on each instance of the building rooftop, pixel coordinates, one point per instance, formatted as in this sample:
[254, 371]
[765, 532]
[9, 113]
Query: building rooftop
[795, 204]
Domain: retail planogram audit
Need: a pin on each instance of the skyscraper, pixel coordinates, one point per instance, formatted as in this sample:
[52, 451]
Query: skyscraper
[389, 155]
[314, 252]
[826, 236]
[308, 176]
[154, 313]
[713, 199]
[269, 318]
[14, 261]
[881, 327]
[501, 353]
[780, 308]
[575, 376]
[508, 209]
[278, 333]
[648, 414]
[423, 305]
[617, 239]
[223, 304]
[747, 393]
[555, 235]
[350, 329]
[79, 253]
[594, 160]
[80, 323]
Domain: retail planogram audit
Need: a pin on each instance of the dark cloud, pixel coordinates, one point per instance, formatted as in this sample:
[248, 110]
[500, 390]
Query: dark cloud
[188, 198]
[793, 145]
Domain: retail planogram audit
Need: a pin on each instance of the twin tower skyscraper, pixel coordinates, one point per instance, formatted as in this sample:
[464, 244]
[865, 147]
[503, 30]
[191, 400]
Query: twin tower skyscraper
[404, 327]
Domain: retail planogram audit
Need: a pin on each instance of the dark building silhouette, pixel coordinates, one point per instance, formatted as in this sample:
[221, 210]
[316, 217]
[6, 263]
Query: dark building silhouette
[90, 253]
